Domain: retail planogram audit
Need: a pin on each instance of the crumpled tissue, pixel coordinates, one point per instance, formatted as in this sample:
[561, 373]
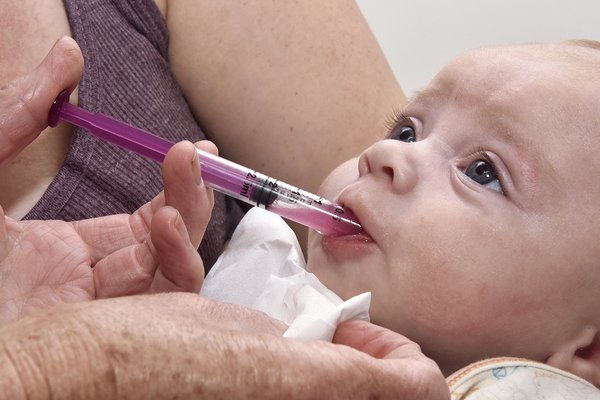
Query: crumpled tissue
[263, 268]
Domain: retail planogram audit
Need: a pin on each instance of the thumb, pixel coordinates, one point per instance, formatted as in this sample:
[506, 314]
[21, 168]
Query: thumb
[25, 102]
[376, 341]
[411, 374]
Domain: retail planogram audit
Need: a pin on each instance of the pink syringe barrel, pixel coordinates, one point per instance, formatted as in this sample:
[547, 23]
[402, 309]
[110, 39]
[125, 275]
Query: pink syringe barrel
[279, 197]
[218, 173]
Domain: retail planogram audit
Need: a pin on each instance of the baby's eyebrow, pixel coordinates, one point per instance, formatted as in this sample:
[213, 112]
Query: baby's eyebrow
[440, 88]
[426, 95]
[502, 126]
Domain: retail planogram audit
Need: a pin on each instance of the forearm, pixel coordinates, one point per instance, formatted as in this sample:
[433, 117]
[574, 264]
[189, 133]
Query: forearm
[117, 349]
[289, 88]
[84, 351]
[303, 84]
[183, 346]
[101, 350]
[53, 355]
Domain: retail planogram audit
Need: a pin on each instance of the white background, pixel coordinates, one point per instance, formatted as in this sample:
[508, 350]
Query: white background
[418, 37]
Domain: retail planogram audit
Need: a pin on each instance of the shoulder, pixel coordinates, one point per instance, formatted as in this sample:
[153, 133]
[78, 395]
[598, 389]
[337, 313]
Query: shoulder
[501, 378]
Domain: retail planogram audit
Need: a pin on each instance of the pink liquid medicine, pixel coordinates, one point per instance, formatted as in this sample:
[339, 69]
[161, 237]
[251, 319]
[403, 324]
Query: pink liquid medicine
[222, 175]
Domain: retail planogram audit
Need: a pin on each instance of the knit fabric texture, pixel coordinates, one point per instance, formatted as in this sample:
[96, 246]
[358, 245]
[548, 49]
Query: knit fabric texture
[126, 76]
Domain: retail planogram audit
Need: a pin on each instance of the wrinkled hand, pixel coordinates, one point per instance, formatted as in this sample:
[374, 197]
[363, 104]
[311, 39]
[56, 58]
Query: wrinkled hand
[43, 263]
[411, 375]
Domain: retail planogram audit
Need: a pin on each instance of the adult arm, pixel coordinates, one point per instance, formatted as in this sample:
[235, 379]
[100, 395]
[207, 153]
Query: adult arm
[181, 345]
[290, 88]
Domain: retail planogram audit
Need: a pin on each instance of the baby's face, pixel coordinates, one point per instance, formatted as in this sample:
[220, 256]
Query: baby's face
[482, 234]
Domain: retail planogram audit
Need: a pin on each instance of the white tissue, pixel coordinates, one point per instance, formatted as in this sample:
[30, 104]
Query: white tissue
[263, 268]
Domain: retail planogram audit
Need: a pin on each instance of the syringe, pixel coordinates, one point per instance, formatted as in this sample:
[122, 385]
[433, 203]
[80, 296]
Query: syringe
[218, 173]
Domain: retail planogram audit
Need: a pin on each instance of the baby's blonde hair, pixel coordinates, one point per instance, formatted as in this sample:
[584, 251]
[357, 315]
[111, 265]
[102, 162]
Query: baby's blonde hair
[592, 44]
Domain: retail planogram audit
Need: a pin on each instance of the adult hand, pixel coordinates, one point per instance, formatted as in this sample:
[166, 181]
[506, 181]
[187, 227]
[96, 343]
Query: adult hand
[44, 263]
[182, 345]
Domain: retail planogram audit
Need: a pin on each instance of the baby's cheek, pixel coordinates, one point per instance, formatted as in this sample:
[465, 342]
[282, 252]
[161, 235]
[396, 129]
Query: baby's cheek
[339, 178]
[434, 294]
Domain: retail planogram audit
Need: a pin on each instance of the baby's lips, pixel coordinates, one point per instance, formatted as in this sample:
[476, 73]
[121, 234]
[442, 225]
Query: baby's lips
[350, 247]
[362, 236]
[355, 231]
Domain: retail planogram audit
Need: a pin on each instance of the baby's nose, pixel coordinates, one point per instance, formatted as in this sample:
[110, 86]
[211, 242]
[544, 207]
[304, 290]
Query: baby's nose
[391, 161]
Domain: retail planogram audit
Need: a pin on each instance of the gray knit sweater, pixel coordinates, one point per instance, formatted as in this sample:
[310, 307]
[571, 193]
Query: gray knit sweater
[126, 76]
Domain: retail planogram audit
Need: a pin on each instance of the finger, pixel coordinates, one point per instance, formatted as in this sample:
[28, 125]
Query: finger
[375, 340]
[27, 100]
[107, 234]
[164, 261]
[180, 267]
[185, 189]
[193, 200]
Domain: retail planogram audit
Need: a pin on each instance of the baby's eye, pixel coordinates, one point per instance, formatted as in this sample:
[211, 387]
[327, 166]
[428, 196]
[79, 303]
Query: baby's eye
[482, 172]
[404, 133]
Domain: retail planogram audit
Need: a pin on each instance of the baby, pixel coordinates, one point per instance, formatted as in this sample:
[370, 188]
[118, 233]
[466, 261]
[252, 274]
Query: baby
[481, 218]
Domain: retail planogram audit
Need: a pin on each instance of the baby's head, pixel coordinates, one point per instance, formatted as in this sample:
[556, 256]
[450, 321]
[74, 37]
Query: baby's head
[485, 229]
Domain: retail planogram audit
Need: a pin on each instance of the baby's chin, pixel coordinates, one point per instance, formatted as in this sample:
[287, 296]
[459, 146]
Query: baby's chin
[342, 279]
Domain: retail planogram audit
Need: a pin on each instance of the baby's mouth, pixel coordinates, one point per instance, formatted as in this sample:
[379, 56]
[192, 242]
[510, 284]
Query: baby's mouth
[353, 231]
[348, 247]
[362, 236]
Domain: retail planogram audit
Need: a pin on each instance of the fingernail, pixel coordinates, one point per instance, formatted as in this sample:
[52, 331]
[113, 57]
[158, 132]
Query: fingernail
[178, 225]
[196, 168]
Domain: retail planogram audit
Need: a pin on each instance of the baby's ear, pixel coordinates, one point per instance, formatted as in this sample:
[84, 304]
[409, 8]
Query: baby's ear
[580, 356]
